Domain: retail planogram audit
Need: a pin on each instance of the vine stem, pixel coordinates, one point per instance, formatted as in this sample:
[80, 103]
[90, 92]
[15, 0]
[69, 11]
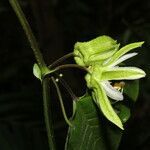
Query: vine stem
[26, 27]
[44, 69]
[61, 103]
[47, 114]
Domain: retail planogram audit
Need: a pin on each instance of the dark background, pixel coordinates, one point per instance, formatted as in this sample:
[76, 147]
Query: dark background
[58, 25]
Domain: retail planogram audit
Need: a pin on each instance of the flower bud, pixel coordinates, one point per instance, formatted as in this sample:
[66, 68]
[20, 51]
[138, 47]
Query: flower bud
[96, 50]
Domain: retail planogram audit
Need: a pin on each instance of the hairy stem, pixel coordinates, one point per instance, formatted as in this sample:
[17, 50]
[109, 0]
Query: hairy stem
[61, 102]
[26, 27]
[47, 114]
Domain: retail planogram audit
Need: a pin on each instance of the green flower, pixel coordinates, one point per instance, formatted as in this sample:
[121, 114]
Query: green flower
[100, 75]
[97, 49]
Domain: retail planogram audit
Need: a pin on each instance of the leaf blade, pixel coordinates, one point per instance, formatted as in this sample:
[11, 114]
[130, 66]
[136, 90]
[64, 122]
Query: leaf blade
[91, 129]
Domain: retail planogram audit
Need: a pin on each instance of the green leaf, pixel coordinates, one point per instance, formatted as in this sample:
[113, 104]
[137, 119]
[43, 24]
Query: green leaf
[131, 89]
[37, 71]
[122, 111]
[91, 131]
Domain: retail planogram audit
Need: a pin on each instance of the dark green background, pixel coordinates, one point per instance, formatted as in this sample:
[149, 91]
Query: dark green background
[58, 25]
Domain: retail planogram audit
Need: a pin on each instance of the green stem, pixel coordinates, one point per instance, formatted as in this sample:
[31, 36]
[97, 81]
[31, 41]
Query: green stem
[34, 45]
[61, 102]
[67, 87]
[47, 113]
[66, 66]
[61, 59]
[44, 69]
[70, 66]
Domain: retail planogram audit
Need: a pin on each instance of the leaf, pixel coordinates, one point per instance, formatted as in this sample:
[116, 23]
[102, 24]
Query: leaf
[91, 130]
[123, 112]
[131, 89]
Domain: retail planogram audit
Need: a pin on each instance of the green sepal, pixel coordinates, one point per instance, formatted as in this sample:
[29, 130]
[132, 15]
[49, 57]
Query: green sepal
[123, 51]
[105, 106]
[122, 73]
[100, 97]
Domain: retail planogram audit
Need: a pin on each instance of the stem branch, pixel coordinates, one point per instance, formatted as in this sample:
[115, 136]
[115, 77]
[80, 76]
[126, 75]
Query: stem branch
[61, 59]
[70, 66]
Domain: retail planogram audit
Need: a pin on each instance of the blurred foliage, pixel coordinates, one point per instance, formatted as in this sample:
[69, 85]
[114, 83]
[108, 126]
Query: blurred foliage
[58, 25]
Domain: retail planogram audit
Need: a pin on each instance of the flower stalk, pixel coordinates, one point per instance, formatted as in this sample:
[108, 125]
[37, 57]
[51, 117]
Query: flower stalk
[61, 103]
[61, 59]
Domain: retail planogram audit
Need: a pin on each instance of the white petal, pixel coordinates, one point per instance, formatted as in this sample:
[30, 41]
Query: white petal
[111, 91]
[123, 58]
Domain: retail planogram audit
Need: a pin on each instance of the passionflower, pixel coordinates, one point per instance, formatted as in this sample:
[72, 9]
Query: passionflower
[100, 75]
